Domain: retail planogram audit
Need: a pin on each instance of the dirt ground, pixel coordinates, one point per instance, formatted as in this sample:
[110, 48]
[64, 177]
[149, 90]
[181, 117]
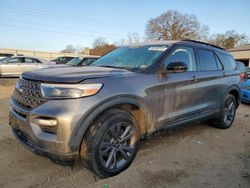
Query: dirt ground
[196, 156]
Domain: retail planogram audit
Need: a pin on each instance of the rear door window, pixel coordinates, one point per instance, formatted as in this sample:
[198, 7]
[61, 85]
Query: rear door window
[207, 60]
[28, 60]
[36, 61]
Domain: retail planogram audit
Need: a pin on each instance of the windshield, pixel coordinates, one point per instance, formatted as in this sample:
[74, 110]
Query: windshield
[58, 58]
[75, 61]
[3, 59]
[131, 57]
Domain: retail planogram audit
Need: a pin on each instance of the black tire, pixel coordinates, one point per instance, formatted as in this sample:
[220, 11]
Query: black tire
[227, 114]
[111, 143]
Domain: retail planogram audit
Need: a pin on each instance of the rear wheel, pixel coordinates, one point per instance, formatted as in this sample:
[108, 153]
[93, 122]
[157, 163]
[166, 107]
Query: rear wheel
[227, 115]
[111, 143]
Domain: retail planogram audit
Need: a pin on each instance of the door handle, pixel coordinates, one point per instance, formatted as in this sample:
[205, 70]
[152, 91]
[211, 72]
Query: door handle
[194, 79]
[223, 74]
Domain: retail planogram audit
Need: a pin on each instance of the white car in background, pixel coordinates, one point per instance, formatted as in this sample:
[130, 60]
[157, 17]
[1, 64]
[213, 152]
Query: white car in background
[15, 66]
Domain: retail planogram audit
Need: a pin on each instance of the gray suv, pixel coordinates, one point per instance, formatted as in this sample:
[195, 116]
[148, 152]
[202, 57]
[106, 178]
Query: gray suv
[99, 113]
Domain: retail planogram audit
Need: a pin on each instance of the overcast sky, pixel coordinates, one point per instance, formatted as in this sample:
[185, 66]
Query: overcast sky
[49, 25]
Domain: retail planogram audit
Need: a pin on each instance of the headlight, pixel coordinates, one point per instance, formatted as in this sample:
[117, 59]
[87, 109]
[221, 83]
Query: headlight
[69, 90]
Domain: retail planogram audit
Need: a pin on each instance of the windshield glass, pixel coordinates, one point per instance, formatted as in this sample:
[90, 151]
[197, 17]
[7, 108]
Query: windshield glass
[56, 59]
[131, 57]
[3, 59]
[75, 61]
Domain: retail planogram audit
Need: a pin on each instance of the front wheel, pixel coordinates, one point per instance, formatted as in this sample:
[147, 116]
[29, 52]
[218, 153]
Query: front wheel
[227, 115]
[111, 143]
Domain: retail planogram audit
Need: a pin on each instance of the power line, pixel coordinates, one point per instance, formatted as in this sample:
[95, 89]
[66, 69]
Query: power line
[49, 31]
[64, 20]
[60, 16]
[112, 35]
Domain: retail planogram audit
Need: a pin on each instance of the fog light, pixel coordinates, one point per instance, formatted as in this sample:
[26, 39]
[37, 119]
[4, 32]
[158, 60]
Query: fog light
[48, 125]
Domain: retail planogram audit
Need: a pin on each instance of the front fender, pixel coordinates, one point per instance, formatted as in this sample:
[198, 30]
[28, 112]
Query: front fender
[95, 111]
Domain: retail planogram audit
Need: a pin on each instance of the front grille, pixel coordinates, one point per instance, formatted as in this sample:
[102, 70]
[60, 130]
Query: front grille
[19, 113]
[28, 94]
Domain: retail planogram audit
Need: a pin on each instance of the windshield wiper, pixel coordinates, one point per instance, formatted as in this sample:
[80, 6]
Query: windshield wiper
[115, 67]
[110, 66]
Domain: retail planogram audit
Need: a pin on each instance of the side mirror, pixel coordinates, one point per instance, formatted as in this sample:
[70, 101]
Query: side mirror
[177, 67]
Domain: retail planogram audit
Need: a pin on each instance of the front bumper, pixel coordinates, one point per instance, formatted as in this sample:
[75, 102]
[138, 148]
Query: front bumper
[245, 96]
[55, 146]
[27, 142]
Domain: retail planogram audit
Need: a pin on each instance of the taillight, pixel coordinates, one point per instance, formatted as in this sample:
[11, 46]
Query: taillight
[243, 77]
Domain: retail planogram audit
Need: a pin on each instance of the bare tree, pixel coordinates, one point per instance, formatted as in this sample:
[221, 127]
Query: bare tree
[133, 38]
[101, 50]
[229, 39]
[120, 42]
[98, 42]
[173, 25]
[69, 49]
[101, 47]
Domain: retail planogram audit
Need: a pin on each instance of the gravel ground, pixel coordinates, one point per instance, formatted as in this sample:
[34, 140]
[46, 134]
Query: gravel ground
[196, 156]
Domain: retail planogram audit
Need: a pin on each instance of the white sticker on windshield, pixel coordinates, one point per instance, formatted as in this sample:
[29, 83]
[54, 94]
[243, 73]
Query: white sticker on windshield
[158, 48]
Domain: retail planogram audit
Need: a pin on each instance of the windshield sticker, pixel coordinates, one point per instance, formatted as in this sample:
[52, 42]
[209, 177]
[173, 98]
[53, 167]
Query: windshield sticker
[158, 48]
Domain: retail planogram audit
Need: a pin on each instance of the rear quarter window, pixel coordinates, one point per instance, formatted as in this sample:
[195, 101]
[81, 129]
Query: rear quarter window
[37, 61]
[228, 62]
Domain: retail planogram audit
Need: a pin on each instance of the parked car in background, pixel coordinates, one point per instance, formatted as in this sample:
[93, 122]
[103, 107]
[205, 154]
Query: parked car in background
[3, 58]
[241, 66]
[15, 66]
[248, 72]
[245, 84]
[82, 61]
[245, 92]
[62, 59]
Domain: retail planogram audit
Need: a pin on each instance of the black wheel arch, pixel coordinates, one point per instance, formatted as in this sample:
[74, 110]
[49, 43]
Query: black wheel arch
[236, 92]
[130, 103]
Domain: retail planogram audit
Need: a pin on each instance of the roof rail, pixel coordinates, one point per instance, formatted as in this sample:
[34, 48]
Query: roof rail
[188, 40]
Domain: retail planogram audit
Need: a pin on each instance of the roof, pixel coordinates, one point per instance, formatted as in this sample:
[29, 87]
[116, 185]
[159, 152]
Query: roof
[244, 47]
[41, 59]
[170, 42]
[159, 42]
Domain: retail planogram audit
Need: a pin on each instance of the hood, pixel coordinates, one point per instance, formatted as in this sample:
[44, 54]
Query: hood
[68, 74]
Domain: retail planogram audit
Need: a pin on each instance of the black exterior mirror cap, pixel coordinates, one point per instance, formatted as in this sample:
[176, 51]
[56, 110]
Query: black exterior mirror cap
[177, 66]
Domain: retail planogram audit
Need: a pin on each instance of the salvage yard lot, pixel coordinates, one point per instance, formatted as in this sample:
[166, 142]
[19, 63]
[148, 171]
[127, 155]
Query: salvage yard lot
[196, 156]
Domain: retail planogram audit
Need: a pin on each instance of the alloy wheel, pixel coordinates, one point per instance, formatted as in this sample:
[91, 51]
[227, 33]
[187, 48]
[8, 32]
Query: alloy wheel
[229, 112]
[117, 146]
